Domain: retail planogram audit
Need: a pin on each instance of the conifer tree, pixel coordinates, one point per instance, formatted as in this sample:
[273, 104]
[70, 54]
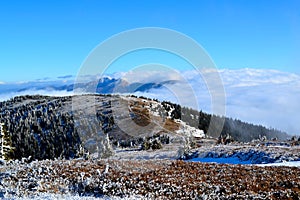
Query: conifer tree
[6, 149]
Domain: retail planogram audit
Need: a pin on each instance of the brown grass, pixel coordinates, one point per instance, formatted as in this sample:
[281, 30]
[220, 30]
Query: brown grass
[171, 125]
[162, 179]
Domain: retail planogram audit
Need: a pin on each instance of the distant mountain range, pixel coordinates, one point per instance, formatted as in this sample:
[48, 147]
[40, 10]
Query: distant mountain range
[103, 86]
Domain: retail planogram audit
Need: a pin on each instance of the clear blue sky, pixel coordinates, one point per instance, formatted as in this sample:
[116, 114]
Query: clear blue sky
[51, 38]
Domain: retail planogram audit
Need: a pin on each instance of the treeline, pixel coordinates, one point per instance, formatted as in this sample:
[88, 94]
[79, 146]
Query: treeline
[238, 130]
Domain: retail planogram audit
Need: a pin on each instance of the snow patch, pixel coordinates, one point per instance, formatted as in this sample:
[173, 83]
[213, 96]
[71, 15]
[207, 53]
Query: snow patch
[231, 160]
[286, 164]
[188, 130]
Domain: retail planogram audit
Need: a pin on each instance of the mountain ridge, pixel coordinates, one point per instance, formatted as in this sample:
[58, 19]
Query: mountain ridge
[37, 124]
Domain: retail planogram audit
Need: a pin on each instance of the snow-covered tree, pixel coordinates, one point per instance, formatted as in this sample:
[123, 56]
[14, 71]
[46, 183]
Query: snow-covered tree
[6, 149]
[104, 147]
[185, 150]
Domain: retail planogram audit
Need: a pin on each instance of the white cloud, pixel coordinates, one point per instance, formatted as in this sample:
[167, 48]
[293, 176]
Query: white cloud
[148, 75]
[8, 95]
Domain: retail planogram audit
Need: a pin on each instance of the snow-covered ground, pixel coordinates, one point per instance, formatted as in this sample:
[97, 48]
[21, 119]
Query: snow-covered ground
[238, 170]
[189, 130]
[48, 196]
[287, 164]
[234, 160]
[145, 179]
[249, 154]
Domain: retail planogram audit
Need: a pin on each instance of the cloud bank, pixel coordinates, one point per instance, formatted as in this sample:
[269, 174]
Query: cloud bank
[59, 93]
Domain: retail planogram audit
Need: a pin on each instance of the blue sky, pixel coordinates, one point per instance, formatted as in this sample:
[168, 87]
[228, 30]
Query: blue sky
[52, 38]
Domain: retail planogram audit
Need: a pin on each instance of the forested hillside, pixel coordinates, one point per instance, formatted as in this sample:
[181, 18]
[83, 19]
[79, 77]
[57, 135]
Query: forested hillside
[238, 130]
[44, 127]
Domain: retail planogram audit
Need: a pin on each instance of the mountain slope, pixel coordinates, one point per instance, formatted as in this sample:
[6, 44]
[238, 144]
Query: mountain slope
[46, 127]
